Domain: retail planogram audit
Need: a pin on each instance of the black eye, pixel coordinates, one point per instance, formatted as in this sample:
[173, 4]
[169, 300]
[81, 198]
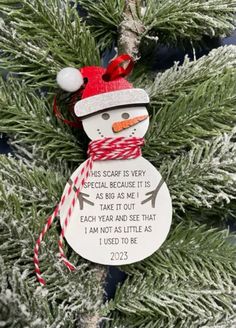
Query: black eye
[125, 116]
[105, 116]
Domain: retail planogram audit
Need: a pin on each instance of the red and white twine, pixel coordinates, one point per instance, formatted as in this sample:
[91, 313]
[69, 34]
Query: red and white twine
[98, 150]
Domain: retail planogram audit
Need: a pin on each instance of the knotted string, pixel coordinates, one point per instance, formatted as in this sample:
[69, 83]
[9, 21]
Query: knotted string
[99, 150]
[116, 70]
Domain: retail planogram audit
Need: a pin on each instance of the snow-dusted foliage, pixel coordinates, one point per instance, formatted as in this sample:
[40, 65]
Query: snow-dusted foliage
[190, 281]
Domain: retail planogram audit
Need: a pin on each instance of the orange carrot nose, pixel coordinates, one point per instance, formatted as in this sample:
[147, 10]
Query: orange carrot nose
[125, 124]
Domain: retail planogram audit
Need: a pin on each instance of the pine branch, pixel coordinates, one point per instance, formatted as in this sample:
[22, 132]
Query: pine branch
[23, 187]
[182, 79]
[185, 97]
[104, 17]
[203, 177]
[189, 282]
[27, 197]
[131, 29]
[206, 111]
[28, 119]
[222, 215]
[173, 20]
[16, 301]
[71, 302]
[39, 37]
[169, 21]
[199, 247]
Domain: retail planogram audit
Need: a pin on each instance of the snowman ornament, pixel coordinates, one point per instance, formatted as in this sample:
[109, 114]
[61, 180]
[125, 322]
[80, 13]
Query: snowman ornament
[123, 212]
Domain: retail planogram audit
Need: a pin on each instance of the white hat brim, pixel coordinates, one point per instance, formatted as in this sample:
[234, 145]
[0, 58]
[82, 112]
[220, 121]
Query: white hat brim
[110, 100]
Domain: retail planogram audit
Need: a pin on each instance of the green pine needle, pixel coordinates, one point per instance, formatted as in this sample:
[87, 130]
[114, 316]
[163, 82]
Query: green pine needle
[28, 118]
[28, 196]
[170, 21]
[205, 176]
[190, 281]
[38, 38]
[191, 102]
[173, 20]
[184, 284]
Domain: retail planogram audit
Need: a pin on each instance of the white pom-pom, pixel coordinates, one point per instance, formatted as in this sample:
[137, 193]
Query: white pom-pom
[70, 79]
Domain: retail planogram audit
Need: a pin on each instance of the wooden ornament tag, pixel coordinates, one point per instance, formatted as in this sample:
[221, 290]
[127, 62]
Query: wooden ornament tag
[122, 215]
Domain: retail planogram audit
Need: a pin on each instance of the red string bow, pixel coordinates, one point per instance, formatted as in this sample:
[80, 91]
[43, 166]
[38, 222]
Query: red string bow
[115, 69]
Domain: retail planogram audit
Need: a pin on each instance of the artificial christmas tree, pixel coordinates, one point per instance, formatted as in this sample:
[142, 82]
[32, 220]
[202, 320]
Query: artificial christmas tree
[190, 280]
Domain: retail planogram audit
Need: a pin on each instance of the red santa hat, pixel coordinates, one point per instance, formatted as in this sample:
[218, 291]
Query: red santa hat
[103, 88]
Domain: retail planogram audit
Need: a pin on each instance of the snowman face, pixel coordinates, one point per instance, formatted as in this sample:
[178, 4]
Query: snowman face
[116, 122]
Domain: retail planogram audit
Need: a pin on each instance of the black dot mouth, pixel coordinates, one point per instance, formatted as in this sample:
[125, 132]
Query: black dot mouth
[100, 133]
[133, 133]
